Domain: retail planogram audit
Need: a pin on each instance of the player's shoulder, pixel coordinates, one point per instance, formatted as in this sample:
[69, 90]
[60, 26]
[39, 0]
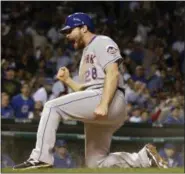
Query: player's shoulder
[105, 42]
[104, 38]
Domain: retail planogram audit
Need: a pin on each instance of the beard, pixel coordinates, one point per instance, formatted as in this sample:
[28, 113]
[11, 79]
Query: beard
[78, 43]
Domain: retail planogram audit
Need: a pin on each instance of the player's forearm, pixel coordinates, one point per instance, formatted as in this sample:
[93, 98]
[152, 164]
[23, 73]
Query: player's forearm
[73, 85]
[110, 86]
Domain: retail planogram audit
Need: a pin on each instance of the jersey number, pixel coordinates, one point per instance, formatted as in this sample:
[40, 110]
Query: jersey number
[91, 73]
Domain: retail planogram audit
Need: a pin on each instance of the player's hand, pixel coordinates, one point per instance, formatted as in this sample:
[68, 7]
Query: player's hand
[63, 74]
[101, 112]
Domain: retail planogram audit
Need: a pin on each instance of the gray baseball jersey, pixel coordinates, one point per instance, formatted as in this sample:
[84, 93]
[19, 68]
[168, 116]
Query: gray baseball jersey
[81, 105]
[101, 51]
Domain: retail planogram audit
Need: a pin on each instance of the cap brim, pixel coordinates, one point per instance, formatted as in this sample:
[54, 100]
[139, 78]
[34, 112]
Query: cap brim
[65, 29]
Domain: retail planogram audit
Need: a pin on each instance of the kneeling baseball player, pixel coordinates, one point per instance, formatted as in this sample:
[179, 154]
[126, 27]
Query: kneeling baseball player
[98, 101]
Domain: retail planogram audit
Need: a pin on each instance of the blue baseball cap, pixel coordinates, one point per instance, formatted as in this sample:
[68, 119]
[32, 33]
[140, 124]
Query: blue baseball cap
[61, 143]
[169, 146]
[76, 20]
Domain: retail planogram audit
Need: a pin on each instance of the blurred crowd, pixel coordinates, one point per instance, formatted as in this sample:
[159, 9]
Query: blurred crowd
[150, 36]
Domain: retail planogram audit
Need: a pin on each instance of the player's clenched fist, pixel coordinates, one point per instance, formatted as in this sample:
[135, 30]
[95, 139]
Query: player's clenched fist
[63, 74]
[101, 112]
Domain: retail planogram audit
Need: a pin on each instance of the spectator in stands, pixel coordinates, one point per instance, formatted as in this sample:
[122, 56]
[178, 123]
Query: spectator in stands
[165, 111]
[62, 158]
[6, 108]
[27, 62]
[172, 157]
[178, 45]
[59, 89]
[155, 81]
[63, 58]
[137, 94]
[135, 115]
[21, 74]
[22, 103]
[9, 84]
[145, 116]
[6, 161]
[174, 117]
[148, 117]
[39, 40]
[137, 54]
[53, 33]
[170, 78]
[44, 93]
[50, 62]
[139, 75]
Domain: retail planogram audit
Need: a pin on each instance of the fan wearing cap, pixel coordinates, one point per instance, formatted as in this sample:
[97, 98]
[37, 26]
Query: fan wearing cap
[62, 158]
[171, 155]
[98, 101]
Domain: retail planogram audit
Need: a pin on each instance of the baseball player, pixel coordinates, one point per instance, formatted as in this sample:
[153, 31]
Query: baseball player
[98, 101]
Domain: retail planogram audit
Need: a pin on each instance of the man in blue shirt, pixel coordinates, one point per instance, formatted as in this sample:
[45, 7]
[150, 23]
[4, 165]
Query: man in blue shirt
[62, 159]
[6, 109]
[173, 158]
[174, 117]
[22, 103]
[155, 83]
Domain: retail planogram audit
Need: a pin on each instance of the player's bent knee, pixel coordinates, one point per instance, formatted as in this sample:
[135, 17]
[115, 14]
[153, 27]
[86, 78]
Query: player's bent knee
[50, 104]
[109, 161]
[55, 102]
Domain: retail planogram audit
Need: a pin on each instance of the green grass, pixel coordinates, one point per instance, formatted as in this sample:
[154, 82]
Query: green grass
[102, 170]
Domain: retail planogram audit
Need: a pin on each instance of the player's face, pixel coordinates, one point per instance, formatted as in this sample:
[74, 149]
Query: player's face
[75, 36]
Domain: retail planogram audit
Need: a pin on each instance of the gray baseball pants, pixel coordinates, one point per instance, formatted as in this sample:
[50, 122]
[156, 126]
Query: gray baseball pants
[80, 106]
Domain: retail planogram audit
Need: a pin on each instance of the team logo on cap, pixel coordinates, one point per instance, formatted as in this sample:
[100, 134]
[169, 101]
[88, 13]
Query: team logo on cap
[111, 49]
[76, 19]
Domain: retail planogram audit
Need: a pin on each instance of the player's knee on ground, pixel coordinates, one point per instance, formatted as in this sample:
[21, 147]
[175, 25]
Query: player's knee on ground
[113, 160]
[93, 162]
[109, 161]
[106, 162]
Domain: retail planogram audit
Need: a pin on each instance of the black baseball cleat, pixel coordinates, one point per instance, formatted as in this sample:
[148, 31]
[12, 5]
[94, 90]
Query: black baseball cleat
[157, 160]
[31, 164]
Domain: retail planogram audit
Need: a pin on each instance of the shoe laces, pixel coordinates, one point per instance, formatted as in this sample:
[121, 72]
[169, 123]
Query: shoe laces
[32, 161]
